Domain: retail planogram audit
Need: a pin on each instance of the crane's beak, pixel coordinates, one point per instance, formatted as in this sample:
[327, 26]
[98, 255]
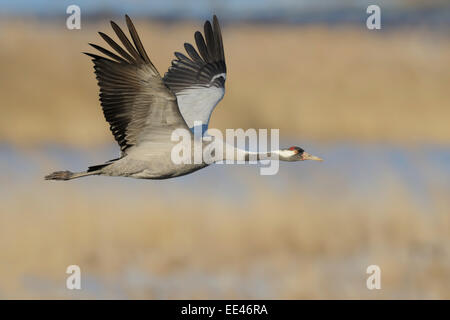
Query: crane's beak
[307, 156]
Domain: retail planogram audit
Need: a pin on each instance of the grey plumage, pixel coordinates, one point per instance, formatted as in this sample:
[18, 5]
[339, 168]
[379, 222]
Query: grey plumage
[143, 109]
[198, 79]
[132, 93]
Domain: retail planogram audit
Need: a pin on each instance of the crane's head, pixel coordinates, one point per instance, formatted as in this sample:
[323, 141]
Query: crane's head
[297, 154]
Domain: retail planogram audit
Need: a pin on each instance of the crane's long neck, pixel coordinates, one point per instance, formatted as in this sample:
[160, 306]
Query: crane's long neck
[245, 155]
[221, 151]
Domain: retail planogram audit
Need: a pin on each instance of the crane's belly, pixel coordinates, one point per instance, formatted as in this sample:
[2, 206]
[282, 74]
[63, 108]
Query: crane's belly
[153, 167]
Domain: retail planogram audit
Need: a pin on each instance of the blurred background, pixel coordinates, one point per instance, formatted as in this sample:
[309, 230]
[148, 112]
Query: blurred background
[374, 104]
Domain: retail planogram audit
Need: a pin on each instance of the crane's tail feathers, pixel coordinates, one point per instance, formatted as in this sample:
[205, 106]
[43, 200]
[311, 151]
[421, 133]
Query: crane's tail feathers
[68, 175]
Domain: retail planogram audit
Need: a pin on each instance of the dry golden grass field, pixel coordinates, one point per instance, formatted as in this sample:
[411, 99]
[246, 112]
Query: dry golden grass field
[288, 246]
[309, 232]
[313, 82]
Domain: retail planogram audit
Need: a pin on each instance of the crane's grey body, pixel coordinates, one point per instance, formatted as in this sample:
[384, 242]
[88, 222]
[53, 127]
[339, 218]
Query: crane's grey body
[150, 161]
[143, 109]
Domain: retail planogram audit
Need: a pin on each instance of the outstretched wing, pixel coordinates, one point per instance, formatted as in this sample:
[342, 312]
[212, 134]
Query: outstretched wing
[199, 80]
[134, 98]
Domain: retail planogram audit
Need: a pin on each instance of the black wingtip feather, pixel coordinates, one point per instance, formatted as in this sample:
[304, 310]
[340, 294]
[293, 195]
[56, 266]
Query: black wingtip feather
[210, 41]
[93, 56]
[201, 65]
[192, 52]
[137, 40]
[126, 43]
[201, 45]
[108, 53]
[117, 47]
[218, 38]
